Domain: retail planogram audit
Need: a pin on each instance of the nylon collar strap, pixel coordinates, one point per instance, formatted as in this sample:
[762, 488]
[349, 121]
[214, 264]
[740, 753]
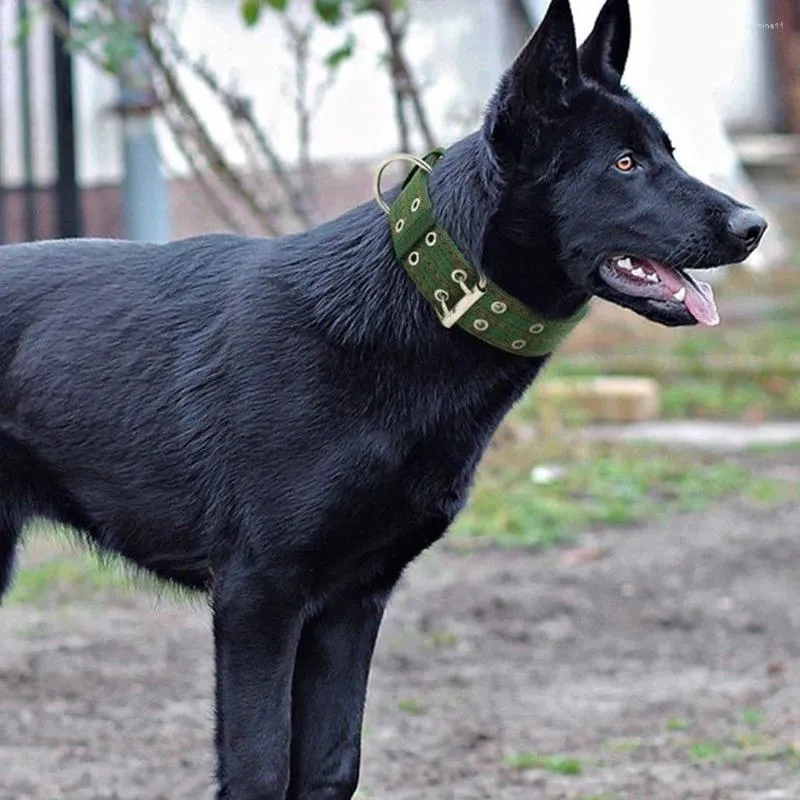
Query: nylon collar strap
[460, 294]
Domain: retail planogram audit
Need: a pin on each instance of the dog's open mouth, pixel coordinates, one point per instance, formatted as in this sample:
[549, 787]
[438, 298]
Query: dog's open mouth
[649, 279]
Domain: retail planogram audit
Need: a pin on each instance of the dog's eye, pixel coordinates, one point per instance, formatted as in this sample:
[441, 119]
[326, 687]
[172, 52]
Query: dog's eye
[625, 164]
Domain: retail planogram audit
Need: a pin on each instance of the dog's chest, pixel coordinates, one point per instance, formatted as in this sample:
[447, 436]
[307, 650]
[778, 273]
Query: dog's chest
[407, 482]
[426, 440]
[384, 464]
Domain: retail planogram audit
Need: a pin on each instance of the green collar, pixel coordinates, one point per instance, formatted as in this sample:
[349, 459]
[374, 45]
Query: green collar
[460, 294]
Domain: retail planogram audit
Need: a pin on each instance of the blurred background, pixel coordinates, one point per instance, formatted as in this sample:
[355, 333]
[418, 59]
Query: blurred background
[615, 613]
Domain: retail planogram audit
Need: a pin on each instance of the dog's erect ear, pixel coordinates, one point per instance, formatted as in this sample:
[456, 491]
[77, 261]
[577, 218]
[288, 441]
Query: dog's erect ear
[543, 75]
[605, 51]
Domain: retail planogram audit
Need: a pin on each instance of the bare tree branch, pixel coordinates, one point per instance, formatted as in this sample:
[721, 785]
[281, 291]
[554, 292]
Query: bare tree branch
[211, 193]
[403, 83]
[211, 152]
[299, 42]
[225, 186]
[240, 110]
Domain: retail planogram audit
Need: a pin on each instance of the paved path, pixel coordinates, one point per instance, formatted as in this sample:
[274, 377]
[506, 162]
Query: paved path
[705, 434]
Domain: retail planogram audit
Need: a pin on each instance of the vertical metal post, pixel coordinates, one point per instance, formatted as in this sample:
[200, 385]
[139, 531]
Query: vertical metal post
[2, 173]
[145, 191]
[70, 218]
[28, 186]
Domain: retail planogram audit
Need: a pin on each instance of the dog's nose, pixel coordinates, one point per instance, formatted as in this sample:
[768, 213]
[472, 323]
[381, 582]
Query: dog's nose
[748, 226]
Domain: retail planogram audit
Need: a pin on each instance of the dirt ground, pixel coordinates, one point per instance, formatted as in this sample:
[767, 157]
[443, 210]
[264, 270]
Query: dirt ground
[665, 660]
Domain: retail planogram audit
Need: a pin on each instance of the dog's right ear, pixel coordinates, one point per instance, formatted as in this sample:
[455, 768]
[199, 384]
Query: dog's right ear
[605, 51]
[542, 77]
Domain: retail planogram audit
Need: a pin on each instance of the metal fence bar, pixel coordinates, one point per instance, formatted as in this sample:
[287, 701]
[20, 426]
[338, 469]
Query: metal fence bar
[70, 217]
[26, 121]
[2, 174]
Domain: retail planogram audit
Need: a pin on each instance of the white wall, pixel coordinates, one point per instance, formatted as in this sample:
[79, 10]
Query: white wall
[10, 103]
[98, 133]
[457, 46]
[716, 44]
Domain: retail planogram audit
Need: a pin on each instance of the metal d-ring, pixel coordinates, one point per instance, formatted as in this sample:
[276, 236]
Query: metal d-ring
[424, 166]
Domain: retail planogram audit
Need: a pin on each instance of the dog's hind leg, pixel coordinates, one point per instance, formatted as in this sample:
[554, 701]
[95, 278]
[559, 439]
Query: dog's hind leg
[258, 616]
[330, 685]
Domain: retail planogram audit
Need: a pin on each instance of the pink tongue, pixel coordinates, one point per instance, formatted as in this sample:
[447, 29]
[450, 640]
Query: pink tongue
[699, 299]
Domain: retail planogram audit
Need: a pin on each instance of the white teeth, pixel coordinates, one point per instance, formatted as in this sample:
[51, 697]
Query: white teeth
[638, 272]
[625, 263]
[680, 294]
[652, 277]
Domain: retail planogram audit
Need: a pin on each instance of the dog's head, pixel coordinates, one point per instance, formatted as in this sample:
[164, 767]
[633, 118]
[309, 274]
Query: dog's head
[588, 174]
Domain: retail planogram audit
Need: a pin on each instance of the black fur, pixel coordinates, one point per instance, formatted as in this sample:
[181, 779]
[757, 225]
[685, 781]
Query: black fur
[284, 423]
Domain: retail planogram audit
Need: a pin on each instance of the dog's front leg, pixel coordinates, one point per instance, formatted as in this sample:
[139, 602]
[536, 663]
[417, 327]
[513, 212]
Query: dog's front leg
[330, 685]
[256, 628]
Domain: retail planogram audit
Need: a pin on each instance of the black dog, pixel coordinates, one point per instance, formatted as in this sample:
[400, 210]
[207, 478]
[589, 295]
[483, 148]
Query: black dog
[285, 423]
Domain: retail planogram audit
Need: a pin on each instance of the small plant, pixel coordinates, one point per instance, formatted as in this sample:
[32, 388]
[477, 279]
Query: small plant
[741, 747]
[562, 765]
[707, 750]
[753, 717]
[677, 724]
[411, 706]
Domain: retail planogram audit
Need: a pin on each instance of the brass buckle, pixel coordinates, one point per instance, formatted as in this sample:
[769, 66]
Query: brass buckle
[449, 316]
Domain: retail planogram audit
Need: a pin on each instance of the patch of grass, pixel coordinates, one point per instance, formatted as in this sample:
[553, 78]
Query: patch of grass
[740, 747]
[772, 493]
[55, 569]
[600, 485]
[562, 765]
[774, 334]
[788, 754]
[411, 706]
[78, 576]
[754, 717]
[741, 397]
[601, 796]
[738, 398]
[677, 724]
[708, 750]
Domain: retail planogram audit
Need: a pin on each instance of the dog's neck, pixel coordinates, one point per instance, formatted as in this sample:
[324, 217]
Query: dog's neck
[359, 293]
[467, 191]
